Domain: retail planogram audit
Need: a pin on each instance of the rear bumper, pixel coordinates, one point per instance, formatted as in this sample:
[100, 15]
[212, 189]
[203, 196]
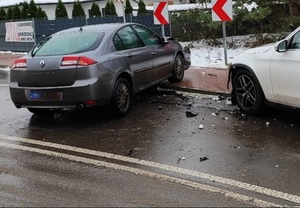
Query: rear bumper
[69, 97]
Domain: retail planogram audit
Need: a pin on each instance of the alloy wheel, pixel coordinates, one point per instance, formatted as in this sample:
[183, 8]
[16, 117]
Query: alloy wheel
[123, 97]
[245, 91]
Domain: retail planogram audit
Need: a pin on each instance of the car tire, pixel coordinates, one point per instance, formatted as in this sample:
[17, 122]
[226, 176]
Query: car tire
[39, 111]
[178, 70]
[121, 98]
[248, 93]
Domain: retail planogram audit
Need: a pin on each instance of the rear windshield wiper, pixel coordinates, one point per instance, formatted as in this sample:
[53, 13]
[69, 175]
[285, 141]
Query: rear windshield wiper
[37, 47]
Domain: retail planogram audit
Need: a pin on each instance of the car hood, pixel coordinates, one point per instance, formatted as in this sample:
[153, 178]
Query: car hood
[261, 49]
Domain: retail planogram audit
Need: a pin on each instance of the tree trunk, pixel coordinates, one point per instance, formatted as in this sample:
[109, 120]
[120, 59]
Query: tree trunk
[294, 7]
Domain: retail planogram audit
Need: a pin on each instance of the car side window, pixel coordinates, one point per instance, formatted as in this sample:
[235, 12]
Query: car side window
[118, 43]
[295, 44]
[147, 36]
[128, 39]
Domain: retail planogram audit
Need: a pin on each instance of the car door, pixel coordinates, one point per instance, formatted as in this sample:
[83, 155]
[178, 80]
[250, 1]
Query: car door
[285, 74]
[138, 57]
[162, 53]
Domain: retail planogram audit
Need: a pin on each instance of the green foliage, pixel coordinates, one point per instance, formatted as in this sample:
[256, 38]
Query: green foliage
[128, 7]
[77, 9]
[142, 8]
[60, 11]
[32, 9]
[266, 17]
[25, 10]
[110, 8]
[9, 13]
[2, 14]
[16, 12]
[95, 10]
[41, 14]
[195, 24]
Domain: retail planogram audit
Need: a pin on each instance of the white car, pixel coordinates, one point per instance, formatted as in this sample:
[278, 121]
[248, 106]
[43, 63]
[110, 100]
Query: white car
[267, 75]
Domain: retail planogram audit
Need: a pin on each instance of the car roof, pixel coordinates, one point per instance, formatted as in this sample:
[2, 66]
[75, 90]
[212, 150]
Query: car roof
[107, 27]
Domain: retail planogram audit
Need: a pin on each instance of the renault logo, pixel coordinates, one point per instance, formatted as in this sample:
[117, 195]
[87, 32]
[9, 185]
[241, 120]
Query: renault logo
[42, 63]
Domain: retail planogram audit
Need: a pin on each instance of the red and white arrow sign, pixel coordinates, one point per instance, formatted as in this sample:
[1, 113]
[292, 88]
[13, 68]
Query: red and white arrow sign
[161, 13]
[221, 10]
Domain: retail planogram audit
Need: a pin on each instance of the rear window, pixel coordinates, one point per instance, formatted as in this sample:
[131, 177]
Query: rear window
[68, 44]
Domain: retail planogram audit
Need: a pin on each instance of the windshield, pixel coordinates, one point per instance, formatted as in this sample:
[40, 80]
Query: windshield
[68, 44]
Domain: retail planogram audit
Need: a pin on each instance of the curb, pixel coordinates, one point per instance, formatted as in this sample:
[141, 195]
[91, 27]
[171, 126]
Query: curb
[194, 90]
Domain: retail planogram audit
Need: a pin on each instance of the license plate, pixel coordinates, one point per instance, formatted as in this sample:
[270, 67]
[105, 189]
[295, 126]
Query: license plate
[51, 95]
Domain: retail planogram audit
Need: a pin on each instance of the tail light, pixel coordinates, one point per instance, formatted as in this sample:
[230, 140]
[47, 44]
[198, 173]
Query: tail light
[19, 63]
[77, 61]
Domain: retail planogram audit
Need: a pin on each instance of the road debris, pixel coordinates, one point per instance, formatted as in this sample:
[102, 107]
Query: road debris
[243, 117]
[179, 159]
[190, 114]
[203, 159]
[130, 152]
[201, 126]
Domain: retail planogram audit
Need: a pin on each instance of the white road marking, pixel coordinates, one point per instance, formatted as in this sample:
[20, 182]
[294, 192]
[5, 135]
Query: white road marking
[235, 183]
[239, 197]
[3, 85]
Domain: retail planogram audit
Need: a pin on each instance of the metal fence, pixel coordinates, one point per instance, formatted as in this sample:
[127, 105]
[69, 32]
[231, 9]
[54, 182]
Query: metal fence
[44, 28]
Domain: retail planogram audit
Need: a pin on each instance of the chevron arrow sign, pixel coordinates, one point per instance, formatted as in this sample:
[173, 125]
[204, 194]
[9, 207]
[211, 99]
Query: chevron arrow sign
[161, 13]
[221, 10]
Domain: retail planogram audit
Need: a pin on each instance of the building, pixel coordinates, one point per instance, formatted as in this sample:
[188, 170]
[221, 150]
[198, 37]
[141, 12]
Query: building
[49, 6]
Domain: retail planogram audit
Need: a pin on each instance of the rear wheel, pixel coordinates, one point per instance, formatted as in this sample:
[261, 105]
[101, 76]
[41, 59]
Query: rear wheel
[248, 93]
[178, 70]
[121, 98]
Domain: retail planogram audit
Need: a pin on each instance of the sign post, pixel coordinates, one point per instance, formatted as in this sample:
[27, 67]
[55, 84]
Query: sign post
[161, 14]
[222, 11]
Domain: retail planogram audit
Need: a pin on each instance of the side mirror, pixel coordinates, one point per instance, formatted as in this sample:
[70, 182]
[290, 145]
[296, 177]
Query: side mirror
[165, 40]
[281, 46]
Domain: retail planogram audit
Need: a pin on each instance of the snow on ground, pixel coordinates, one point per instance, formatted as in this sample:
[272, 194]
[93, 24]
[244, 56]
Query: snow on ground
[206, 54]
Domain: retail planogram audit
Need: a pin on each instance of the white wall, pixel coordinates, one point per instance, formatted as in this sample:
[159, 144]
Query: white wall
[50, 9]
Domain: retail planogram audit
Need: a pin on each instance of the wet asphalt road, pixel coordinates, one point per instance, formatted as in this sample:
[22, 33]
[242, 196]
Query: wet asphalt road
[156, 156]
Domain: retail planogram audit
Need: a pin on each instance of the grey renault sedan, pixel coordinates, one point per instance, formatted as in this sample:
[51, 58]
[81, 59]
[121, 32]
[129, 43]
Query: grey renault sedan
[95, 65]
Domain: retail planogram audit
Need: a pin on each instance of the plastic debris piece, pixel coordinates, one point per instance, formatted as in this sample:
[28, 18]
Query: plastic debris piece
[190, 114]
[203, 159]
[130, 152]
[243, 117]
[267, 124]
[201, 126]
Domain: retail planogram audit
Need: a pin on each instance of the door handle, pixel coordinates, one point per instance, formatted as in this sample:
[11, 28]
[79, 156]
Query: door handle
[153, 53]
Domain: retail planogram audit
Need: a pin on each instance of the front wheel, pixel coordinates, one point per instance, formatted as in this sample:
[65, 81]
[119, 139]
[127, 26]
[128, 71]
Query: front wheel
[121, 98]
[248, 93]
[178, 70]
